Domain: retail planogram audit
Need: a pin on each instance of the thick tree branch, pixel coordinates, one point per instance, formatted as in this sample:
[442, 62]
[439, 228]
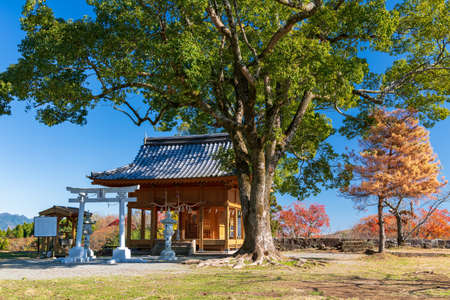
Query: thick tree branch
[336, 107]
[231, 34]
[244, 35]
[307, 10]
[394, 85]
[221, 120]
[366, 96]
[308, 96]
[293, 4]
[138, 119]
[106, 92]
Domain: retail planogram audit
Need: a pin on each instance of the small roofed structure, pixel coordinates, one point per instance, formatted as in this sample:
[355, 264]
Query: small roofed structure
[60, 244]
[183, 174]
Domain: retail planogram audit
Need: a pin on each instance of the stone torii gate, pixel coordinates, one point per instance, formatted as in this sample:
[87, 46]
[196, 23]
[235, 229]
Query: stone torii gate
[120, 254]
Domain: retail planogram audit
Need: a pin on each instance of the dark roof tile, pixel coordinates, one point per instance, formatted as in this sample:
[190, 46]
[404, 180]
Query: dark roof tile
[173, 157]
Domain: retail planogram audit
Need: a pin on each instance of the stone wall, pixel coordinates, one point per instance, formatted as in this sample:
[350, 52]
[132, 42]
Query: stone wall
[338, 243]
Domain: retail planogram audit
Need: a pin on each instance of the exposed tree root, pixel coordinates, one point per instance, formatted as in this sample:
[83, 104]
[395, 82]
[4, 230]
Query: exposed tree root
[239, 261]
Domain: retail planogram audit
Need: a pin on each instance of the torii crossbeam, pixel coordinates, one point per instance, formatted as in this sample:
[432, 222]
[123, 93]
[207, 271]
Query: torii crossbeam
[120, 254]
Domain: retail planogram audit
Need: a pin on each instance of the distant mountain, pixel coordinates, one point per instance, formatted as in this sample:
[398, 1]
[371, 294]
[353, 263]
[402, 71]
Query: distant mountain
[9, 220]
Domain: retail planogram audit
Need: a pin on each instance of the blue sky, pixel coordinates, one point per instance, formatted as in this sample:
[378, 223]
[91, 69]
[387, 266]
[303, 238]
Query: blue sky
[37, 162]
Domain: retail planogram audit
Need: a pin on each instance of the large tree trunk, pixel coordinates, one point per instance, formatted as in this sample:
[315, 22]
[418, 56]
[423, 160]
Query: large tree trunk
[400, 239]
[255, 200]
[382, 234]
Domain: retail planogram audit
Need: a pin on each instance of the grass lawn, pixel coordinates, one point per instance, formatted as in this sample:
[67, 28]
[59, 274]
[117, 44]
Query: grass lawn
[420, 250]
[18, 254]
[385, 277]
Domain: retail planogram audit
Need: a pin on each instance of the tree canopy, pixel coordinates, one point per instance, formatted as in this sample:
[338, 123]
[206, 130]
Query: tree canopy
[181, 57]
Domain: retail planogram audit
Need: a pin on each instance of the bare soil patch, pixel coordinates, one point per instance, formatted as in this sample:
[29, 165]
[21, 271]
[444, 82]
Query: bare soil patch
[417, 287]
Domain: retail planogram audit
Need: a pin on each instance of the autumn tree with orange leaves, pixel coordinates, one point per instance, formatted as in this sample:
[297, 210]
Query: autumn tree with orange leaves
[435, 225]
[299, 221]
[396, 165]
[368, 227]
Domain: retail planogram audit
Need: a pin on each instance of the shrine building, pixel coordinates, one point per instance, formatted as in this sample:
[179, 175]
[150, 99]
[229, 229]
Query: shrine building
[183, 174]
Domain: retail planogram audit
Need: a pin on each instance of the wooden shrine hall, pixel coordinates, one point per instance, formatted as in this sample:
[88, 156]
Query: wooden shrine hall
[183, 174]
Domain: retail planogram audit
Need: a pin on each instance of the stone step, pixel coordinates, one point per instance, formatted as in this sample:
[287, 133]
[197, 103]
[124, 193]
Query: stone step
[180, 248]
[355, 246]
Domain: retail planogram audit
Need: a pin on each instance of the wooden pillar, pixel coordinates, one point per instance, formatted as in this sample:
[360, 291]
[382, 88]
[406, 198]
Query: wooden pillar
[242, 226]
[227, 228]
[142, 224]
[55, 239]
[235, 227]
[182, 223]
[129, 221]
[73, 220]
[200, 229]
[153, 226]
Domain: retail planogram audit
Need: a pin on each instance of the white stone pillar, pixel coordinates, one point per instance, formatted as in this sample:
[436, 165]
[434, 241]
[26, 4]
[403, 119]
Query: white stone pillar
[122, 253]
[122, 222]
[78, 254]
[80, 221]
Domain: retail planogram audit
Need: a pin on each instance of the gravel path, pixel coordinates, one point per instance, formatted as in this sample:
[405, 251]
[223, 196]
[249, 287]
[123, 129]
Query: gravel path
[34, 269]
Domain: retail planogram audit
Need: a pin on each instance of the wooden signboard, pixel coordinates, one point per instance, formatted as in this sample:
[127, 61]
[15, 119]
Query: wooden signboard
[45, 226]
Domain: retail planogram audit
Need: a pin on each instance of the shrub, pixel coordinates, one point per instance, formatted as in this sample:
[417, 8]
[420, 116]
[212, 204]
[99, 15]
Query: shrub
[4, 243]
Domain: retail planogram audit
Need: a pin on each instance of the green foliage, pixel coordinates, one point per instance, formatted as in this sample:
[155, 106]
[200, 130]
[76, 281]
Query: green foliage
[65, 226]
[311, 164]
[114, 240]
[4, 243]
[20, 231]
[186, 74]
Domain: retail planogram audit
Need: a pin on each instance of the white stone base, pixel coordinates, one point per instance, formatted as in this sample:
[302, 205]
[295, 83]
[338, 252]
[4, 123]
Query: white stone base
[167, 255]
[78, 255]
[121, 254]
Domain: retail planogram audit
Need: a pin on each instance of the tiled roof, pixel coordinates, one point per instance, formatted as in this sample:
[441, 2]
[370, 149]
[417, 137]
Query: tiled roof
[177, 157]
[62, 211]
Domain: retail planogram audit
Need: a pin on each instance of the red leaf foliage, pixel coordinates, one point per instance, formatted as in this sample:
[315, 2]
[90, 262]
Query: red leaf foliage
[299, 221]
[436, 227]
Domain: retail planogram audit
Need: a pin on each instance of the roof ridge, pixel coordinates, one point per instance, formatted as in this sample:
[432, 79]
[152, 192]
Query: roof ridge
[187, 139]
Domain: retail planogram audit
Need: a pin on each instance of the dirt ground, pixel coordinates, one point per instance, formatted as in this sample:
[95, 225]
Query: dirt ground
[360, 288]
